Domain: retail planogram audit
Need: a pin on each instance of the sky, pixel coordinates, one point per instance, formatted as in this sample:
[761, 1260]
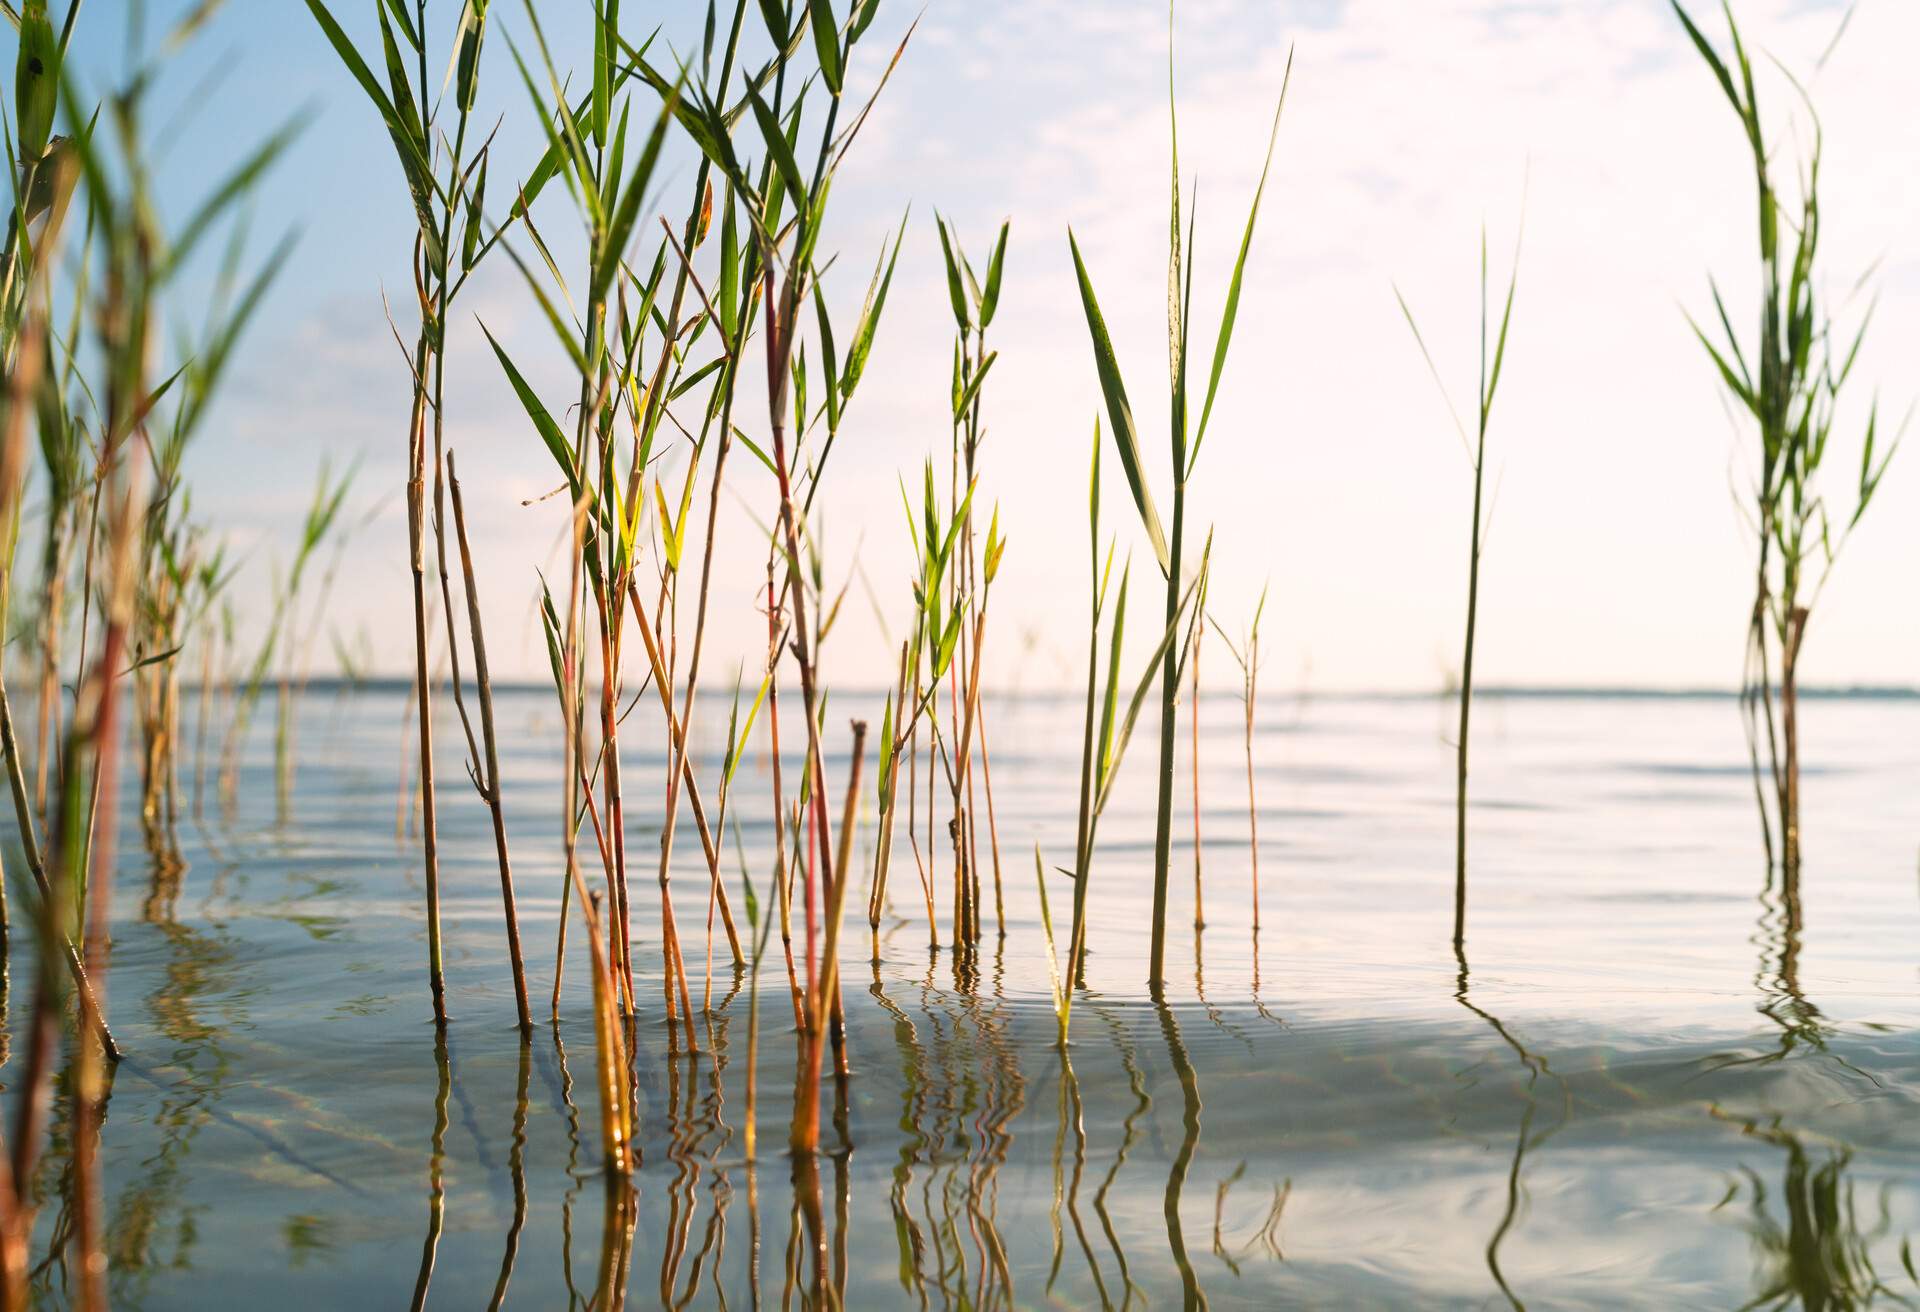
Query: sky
[1586, 131]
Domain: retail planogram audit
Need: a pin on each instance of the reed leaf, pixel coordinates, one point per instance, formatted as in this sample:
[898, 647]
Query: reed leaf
[1232, 309]
[1119, 413]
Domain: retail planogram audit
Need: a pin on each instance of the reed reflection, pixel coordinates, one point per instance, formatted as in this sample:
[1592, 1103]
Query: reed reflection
[910, 1238]
[436, 1170]
[962, 1090]
[1803, 1027]
[1072, 1115]
[1526, 1139]
[152, 1227]
[1192, 1296]
[1814, 1247]
[1265, 1239]
[517, 1169]
[1129, 1133]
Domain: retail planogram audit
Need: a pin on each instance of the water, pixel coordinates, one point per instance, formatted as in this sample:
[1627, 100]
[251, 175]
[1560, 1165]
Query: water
[1639, 1087]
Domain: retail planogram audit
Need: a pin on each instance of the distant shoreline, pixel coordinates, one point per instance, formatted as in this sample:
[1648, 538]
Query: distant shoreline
[1512, 692]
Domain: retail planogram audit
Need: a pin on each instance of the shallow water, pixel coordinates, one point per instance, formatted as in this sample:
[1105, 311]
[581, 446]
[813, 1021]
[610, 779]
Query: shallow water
[1641, 1086]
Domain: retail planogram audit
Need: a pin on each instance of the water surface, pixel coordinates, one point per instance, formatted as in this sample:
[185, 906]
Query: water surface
[1657, 1076]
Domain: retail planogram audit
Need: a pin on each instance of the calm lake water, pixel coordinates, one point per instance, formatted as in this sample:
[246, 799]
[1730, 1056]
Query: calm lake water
[1640, 1088]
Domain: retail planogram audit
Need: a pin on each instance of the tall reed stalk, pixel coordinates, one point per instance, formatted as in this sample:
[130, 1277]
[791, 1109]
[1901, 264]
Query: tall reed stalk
[1477, 452]
[486, 774]
[759, 926]
[804, 1136]
[608, 471]
[1168, 545]
[778, 260]
[447, 186]
[1788, 380]
[1101, 752]
[48, 170]
[566, 641]
[973, 301]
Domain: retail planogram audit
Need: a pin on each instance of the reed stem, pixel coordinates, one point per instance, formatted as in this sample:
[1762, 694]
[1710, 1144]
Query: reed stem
[487, 781]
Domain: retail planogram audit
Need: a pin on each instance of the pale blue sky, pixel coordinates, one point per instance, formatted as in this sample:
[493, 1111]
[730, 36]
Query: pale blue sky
[1616, 554]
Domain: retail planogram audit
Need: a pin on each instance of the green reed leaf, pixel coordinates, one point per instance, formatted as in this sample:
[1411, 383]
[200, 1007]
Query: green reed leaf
[955, 293]
[996, 264]
[550, 434]
[1229, 314]
[1120, 415]
[826, 43]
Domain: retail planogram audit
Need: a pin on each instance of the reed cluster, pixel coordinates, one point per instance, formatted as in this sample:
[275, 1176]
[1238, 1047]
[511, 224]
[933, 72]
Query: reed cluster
[659, 345]
[663, 333]
[1102, 751]
[1168, 544]
[446, 183]
[127, 575]
[1787, 380]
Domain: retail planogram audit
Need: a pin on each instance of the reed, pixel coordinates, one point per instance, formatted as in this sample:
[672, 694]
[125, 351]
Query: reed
[804, 1137]
[565, 643]
[1102, 753]
[446, 185]
[179, 573]
[587, 148]
[64, 449]
[784, 294]
[1055, 982]
[1477, 452]
[973, 301]
[1787, 380]
[210, 616]
[140, 263]
[1246, 654]
[939, 618]
[218, 679]
[1168, 544]
[284, 625]
[323, 526]
[732, 322]
[24, 332]
[1193, 759]
[778, 274]
[486, 771]
[738, 736]
[47, 175]
[759, 926]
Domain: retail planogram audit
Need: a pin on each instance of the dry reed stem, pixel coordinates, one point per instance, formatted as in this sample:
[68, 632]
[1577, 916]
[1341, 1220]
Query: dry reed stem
[805, 1136]
[676, 733]
[489, 783]
[416, 542]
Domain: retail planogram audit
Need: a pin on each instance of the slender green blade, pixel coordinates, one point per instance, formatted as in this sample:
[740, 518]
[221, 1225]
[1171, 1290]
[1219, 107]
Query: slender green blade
[1232, 310]
[990, 298]
[869, 324]
[550, 434]
[826, 43]
[955, 292]
[1119, 414]
[628, 211]
[780, 152]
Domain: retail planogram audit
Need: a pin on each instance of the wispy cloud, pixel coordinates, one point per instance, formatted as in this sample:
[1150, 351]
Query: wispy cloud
[1331, 467]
